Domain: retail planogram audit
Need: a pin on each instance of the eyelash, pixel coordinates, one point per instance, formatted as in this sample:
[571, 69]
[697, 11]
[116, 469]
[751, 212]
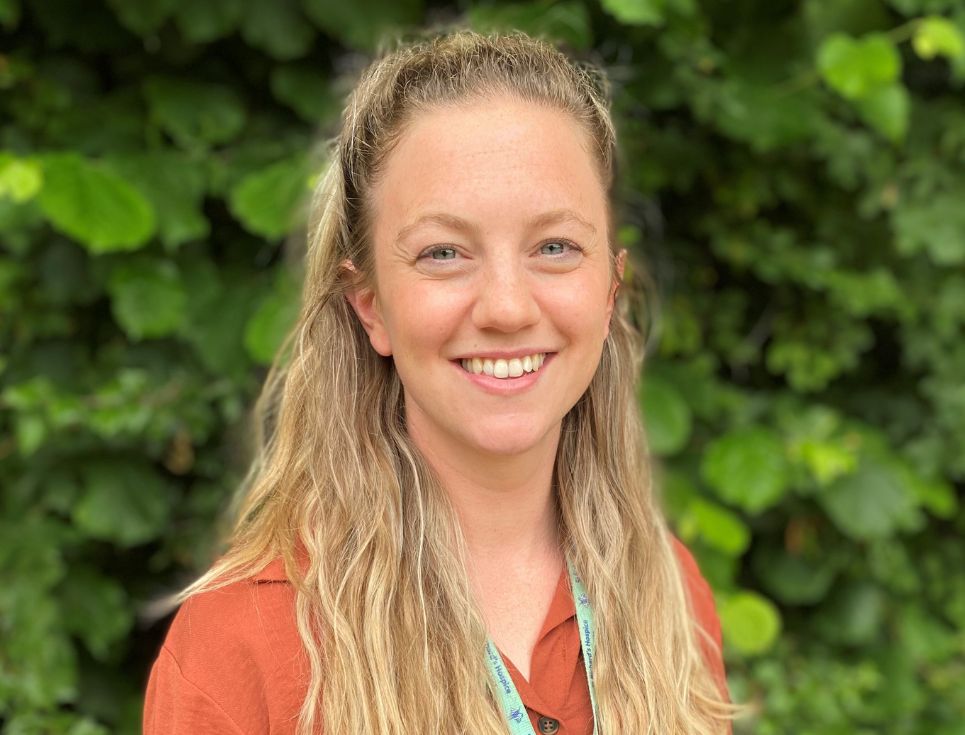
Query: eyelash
[427, 254]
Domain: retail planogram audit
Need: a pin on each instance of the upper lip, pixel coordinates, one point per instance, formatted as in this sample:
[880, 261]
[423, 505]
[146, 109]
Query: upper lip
[502, 354]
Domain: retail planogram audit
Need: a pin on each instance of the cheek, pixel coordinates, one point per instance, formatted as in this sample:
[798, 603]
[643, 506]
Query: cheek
[580, 308]
[422, 317]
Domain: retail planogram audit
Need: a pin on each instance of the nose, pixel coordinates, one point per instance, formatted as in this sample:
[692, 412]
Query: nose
[505, 300]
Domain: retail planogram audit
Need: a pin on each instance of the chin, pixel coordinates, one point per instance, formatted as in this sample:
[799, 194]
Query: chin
[508, 439]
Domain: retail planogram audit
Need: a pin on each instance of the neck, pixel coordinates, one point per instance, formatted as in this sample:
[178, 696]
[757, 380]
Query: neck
[505, 504]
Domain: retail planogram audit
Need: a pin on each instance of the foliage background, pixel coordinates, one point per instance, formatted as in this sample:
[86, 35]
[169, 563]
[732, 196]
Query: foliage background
[794, 177]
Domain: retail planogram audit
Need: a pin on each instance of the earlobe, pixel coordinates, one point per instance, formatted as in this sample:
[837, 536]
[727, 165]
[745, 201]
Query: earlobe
[364, 302]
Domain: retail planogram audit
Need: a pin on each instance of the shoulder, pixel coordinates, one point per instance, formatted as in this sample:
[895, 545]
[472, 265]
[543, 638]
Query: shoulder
[252, 619]
[232, 653]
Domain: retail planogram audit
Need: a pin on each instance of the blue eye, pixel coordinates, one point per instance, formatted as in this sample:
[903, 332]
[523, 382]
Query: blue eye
[442, 254]
[556, 247]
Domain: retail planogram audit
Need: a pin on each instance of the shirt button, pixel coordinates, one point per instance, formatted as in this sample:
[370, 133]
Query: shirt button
[548, 726]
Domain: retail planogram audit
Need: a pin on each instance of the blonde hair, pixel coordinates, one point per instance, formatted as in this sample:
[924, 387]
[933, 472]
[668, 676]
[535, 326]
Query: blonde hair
[384, 606]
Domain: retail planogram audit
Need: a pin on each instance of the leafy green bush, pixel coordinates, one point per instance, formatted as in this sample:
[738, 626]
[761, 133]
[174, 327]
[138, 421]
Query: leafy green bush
[794, 177]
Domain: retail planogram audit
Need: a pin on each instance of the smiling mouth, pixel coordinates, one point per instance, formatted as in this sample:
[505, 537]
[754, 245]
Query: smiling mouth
[504, 369]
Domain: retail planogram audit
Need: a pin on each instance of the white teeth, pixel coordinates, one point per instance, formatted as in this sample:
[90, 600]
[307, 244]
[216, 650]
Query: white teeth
[513, 368]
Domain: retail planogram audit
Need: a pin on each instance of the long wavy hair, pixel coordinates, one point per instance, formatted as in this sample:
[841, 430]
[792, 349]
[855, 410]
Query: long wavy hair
[383, 603]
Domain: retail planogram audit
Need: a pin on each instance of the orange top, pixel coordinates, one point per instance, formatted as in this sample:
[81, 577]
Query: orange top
[233, 662]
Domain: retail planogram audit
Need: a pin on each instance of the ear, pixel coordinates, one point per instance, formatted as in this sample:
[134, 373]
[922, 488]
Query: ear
[611, 301]
[365, 303]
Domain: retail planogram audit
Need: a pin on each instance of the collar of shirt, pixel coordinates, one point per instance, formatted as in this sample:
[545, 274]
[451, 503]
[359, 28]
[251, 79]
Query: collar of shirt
[557, 685]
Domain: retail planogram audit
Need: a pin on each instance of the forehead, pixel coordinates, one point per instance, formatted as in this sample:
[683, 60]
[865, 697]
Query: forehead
[494, 158]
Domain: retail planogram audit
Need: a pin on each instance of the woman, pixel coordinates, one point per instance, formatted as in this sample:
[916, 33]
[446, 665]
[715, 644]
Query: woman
[450, 526]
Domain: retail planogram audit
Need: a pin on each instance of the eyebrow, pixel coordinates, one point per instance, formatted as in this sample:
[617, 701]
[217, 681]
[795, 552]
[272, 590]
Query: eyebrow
[552, 217]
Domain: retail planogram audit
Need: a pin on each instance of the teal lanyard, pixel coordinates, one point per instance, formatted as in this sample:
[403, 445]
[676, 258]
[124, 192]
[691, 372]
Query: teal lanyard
[509, 700]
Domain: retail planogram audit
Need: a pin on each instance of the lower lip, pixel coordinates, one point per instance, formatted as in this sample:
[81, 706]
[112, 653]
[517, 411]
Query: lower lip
[505, 386]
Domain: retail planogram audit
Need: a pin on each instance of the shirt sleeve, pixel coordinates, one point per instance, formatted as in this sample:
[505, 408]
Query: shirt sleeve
[705, 612]
[173, 705]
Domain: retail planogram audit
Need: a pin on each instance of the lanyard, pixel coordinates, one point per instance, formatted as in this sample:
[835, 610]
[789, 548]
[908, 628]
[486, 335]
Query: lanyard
[509, 700]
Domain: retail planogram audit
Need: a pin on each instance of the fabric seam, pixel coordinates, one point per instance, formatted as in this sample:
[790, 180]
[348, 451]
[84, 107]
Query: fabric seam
[199, 690]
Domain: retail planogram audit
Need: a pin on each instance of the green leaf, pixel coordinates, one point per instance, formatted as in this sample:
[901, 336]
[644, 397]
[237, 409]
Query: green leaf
[100, 612]
[39, 665]
[853, 67]
[123, 501]
[30, 430]
[753, 112]
[719, 528]
[873, 502]
[31, 548]
[794, 579]
[307, 91]
[20, 178]
[80, 128]
[209, 20]
[937, 36]
[817, 440]
[886, 109]
[677, 492]
[870, 293]
[937, 495]
[890, 562]
[853, 615]
[147, 298]
[143, 16]
[750, 623]
[934, 225]
[666, 415]
[567, 21]
[272, 320]
[925, 636]
[636, 12]
[363, 24]
[747, 467]
[195, 114]
[94, 206]
[218, 311]
[174, 184]
[811, 357]
[827, 460]
[267, 201]
[277, 27]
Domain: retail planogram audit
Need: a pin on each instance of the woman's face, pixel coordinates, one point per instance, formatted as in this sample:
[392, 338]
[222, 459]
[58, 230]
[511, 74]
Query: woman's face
[493, 282]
